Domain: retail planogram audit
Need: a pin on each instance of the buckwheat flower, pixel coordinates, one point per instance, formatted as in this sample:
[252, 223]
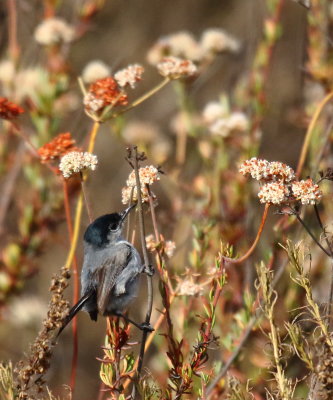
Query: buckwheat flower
[9, 110]
[57, 147]
[95, 70]
[175, 68]
[213, 111]
[189, 288]
[180, 44]
[75, 162]
[7, 71]
[102, 93]
[237, 121]
[265, 170]
[169, 248]
[151, 243]
[306, 191]
[53, 31]
[218, 40]
[148, 175]
[273, 193]
[129, 76]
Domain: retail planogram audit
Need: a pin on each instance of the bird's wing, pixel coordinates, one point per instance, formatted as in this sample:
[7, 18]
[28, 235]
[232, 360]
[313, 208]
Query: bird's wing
[108, 273]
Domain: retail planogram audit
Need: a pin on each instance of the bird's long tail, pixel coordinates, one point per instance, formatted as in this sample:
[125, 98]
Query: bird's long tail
[74, 310]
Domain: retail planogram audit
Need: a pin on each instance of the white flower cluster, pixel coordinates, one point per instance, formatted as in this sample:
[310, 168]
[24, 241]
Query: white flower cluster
[75, 161]
[184, 45]
[306, 191]
[265, 170]
[92, 103]
[129, 76]
[53, 31]
[279, 184]
[95, 70]
[189, 288]
[148, 175]
[222, 122]
[175, 68]
[169, 245]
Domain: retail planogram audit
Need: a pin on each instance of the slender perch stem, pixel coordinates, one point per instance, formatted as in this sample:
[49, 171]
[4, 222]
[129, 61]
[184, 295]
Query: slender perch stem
[146, 260]
[254, 245]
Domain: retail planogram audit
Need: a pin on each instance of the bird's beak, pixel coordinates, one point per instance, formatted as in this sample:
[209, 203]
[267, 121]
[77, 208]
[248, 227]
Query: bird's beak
[126, 211]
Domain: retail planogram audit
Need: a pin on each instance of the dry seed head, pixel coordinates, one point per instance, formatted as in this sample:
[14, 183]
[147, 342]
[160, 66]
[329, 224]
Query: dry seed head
[148, 175]
[9, 110]
[95, 70]
[236, 122]
[273, 193]
[53, 31]
[189, 288]
[169, 248]
[75, 162]
[175, 68]
[218, 40]
[306, 191]
[129, 76]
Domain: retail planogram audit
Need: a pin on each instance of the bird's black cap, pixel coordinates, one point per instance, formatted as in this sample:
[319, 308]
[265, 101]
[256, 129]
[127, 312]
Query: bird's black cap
[98, 231]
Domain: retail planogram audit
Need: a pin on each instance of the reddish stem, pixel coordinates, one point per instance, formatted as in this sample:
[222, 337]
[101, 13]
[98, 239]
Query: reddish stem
[254, 245]
[76, 288]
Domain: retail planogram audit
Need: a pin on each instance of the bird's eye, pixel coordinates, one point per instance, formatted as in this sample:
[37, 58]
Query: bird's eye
[113, 227]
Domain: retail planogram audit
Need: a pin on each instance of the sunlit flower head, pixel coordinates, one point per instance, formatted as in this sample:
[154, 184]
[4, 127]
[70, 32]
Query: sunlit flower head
[57, 147]
[53, 31]
[273, 193]
[148, 175]
[306, 191]
[236, 122]
[180, 44]
[9, 110]
[265, 170]
[95, 70]
[7, 71]
[129, 76]
[218, 40]
[213, 111]
[175, 68]
[169, 248]
[74, 162]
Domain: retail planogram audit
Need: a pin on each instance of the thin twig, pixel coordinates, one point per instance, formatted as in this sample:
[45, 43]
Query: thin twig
[135, 160]
[85, 197]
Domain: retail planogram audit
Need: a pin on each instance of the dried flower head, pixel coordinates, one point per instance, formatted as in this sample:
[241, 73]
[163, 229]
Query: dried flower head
[148, 175]
[9, 110]
[218, 40]
[102, 93]
[180, 44]
[175, 68]
[273, 193]
[213, 111]
[188, 288]
[151, 242]
[169, 248]
[306, 191]
[75, 162]
[268, 171]
[95, 70]
[236, 122]
[53, 31]
[129, 76]
[57, 147]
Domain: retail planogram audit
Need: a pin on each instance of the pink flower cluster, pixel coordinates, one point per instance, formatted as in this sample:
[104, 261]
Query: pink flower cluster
[279, 184]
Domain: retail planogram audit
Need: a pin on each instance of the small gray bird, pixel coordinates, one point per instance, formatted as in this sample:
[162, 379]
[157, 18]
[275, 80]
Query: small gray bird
[110, 272]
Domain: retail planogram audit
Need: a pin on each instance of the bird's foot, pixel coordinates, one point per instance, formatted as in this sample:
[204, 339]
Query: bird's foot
[149, 270]
[146, 327]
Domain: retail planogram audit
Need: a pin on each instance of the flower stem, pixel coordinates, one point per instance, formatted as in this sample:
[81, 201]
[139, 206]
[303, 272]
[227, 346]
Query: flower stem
[254, 245]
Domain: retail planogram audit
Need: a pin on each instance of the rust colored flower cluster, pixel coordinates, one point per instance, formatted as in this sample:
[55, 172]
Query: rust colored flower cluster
[279, 184]
[9, 110]
[57, 147]
[103, 93]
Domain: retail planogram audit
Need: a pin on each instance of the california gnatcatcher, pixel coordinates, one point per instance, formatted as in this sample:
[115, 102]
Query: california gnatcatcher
[110, 272]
